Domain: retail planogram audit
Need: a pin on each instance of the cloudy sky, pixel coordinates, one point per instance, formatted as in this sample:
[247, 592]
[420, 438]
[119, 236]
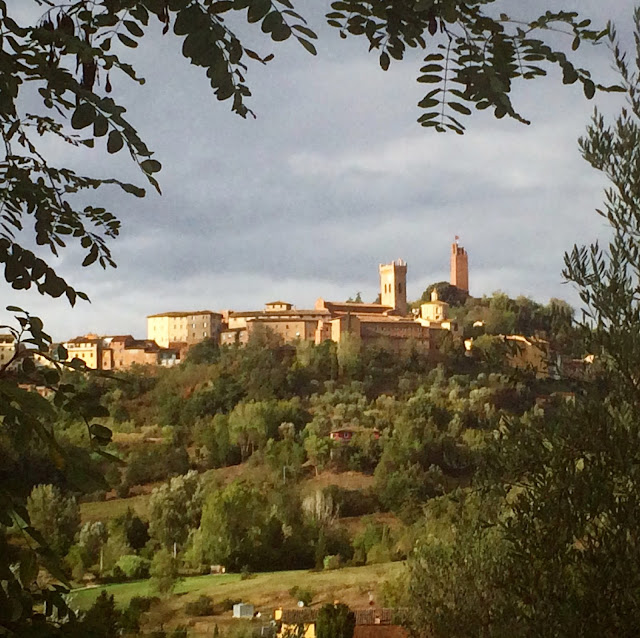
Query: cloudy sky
[333, 177]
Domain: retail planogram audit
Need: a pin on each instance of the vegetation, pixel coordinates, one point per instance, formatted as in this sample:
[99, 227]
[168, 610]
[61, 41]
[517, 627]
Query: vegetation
[271, 407]
[335, 621]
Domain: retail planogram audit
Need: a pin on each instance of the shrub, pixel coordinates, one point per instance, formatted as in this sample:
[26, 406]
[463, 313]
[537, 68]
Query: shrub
[228, 603]
[164, 571]
[379, 553]
[304, 595]
[133, 566]
[333, 561]
[203, 606]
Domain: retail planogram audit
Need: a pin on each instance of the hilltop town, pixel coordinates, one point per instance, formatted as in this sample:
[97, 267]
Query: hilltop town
[171, 334]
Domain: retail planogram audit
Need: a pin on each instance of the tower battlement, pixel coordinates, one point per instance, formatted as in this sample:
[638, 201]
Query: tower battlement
[393, 285]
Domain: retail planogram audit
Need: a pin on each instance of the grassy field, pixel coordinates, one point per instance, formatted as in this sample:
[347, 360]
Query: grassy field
[104, 510]
[266, 591]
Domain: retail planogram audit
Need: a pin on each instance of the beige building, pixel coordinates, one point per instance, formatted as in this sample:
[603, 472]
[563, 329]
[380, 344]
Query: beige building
[435, 314]
[186, 327]
[90, 349]
[278, 317]
[393, 285]
[7, 348]
[116, 352]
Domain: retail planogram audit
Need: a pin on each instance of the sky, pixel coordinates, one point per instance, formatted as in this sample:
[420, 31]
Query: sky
[332, 178]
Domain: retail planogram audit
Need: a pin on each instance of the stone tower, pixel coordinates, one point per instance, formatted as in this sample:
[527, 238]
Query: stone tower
[393, 285]
[459, 267]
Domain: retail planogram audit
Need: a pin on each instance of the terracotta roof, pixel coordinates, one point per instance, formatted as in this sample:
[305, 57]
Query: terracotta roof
[281, 319]
[364, 617]
[297, 616]
[279, 313]
[371, 318]
[119, 337]
[84, 340]
[356, 308]
[148, 345]
[189, 313]
[278, 303]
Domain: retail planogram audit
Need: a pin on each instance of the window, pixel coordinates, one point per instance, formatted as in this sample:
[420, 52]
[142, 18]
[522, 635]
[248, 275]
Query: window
[399, 287]
[204, 334]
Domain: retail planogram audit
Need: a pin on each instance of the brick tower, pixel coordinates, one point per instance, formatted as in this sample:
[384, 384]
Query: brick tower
[393, 285]
[459, 266]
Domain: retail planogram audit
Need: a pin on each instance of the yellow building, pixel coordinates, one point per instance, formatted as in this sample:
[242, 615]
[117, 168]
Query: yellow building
[89, 349]
[183, 327]
[435, 314]
[7, 348]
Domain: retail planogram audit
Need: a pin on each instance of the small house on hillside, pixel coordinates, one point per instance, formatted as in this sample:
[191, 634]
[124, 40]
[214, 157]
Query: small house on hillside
[344, 435]
[370, 623]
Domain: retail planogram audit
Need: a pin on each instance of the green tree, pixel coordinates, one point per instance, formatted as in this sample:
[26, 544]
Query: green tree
[335, 621]
[205, 352]
[174, 508]
[318, 449]
[55, 516]
[164, 571]
[453, 295]
[102, 619]
[569, 477]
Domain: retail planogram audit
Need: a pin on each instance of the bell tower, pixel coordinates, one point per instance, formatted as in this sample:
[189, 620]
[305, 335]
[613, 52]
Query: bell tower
[459, 266]
[393, 285]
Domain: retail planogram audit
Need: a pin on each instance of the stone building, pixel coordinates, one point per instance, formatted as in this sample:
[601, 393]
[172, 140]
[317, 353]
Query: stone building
[393, 285]
[459, 267]
[189, 327]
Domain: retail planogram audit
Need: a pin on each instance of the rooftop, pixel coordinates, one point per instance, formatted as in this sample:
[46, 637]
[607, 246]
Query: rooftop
[189, 313]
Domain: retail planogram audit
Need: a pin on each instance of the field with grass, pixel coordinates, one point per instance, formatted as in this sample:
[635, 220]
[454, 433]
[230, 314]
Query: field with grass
[105, 510]
[266, 591]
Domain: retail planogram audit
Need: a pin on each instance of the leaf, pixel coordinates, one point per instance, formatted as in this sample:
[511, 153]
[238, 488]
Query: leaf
[91, 256]
[589, 89]
[127, 41]
[271, 22]
[460, 108]
[151, 166]
[133, 28]
[258, 9]
[305, 31]
[28, 568]
[28, 365]
[83, 116]
[429, 79]
[100, 126]
[114, 142]
[132, 189]
[100, 432]
[384, 60]
[308, 46]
